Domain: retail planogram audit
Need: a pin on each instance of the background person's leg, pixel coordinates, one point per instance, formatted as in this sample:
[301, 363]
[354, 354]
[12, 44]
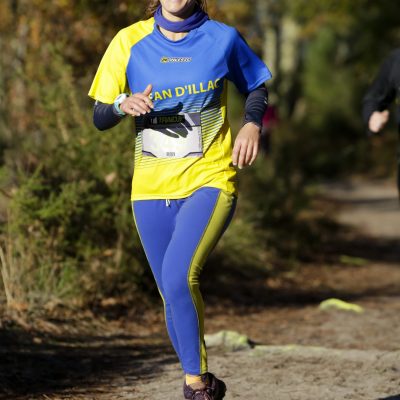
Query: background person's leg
[199, 224]
[155, 224]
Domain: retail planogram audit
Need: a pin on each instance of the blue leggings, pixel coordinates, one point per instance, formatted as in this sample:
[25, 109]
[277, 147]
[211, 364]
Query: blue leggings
[177, 236]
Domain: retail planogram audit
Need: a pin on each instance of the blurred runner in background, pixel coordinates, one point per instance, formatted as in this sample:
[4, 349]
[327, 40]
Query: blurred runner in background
[384, 90]
[269, 123]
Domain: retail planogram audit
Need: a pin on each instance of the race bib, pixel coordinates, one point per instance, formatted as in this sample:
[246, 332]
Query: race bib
[173, 136]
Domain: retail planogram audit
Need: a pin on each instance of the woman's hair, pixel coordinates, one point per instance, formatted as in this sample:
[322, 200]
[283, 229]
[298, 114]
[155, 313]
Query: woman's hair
[153, 5]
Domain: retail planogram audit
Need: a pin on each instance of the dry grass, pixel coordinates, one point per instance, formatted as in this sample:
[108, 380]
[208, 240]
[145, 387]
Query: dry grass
[12, 275]
[28, 284]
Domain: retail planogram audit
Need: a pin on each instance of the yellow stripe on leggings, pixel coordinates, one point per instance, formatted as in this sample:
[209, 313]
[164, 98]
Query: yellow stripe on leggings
[207, 242]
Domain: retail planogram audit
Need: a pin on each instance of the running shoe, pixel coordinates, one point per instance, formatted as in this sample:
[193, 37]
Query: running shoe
[211, 388]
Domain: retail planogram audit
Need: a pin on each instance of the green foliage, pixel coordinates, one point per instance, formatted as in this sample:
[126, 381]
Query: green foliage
[267, 230]
[70, 212]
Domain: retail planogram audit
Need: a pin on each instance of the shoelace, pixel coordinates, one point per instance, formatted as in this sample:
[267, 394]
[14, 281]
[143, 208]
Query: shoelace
[204, 392]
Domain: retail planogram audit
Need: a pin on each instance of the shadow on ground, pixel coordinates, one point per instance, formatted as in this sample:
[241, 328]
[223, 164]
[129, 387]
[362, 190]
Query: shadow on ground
[33, 364]
[232, 290]
[387, 203]
[241, 288]
[369, 248]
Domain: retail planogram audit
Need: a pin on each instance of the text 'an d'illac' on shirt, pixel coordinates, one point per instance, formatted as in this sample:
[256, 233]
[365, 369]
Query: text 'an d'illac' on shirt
[185, 142]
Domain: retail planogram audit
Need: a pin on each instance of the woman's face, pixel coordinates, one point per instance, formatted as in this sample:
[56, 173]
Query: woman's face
[178, 8]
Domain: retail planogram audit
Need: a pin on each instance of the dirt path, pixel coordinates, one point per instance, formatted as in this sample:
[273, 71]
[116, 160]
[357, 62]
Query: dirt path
[300, 352]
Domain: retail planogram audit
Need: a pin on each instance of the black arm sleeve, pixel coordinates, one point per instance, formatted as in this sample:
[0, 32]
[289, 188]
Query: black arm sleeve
[256, 104]
[105, 116]
[383, 90]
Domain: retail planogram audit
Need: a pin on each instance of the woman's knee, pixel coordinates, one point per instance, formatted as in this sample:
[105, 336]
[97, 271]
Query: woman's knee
[178, 283]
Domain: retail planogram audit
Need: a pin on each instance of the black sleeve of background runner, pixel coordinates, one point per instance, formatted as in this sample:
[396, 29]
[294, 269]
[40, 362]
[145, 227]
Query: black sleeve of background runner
[383, 89]
[105, 116]
[256, 105]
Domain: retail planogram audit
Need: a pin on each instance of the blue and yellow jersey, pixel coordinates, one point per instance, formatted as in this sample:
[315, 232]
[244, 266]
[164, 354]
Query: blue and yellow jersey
[185, 142]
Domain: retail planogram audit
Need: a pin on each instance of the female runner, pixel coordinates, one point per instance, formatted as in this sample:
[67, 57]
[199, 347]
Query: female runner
[170, 73]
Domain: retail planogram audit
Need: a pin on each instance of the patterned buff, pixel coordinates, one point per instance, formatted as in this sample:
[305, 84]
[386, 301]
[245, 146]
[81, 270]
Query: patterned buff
[194, 21]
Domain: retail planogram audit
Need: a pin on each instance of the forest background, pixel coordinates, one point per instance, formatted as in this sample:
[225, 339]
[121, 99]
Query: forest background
[67, 235]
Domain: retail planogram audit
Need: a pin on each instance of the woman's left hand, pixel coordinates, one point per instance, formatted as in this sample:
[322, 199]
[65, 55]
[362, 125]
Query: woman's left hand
[246, 145]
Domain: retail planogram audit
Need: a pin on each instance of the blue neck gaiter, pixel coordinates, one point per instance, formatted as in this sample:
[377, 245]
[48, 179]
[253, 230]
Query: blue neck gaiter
[194, 21]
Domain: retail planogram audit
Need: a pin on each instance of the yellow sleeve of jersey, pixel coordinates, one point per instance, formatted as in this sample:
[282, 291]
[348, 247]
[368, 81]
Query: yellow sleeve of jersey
[110, 79]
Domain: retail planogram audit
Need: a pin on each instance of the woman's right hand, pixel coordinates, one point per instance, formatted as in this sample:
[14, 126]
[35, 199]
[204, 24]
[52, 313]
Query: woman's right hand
[378, 120]
[139, 103]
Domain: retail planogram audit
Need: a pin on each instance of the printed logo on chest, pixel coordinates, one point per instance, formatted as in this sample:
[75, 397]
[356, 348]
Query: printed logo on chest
[166, 60]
